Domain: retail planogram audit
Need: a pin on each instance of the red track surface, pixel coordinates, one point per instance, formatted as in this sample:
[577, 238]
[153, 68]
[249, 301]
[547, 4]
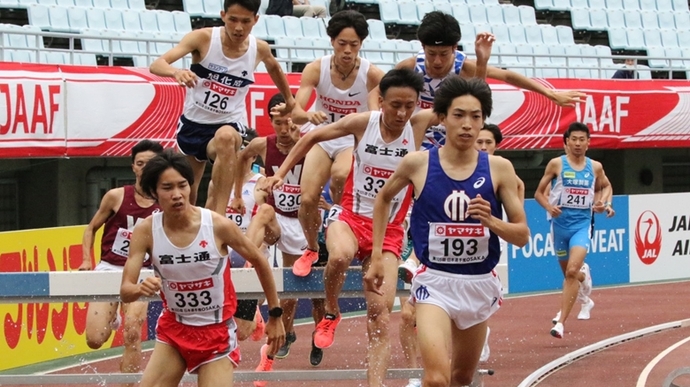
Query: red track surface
[520, 342]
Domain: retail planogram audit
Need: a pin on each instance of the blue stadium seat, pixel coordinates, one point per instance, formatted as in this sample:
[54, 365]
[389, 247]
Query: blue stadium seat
[24, 56]
[130, 20]
[424, 7]
[527, 16]
[481, 27]
[565, 35]
[92, 45]
[589, 54]
[129, 47]
[614, 4]
[652, 38]
[322, 46]
[148, 20]
[194, 7]
[632, 19]
[558, 58]
[81, 58]
[274, 26]
[182, 21]
[667, 20]
[113, 20]
[462, 13]
[9, 4]
[388, 57]
[682, 19]
[102, 4]
[136, 4]
[27, 3]
[119, 4]
[669, 38]
[408, 12]
[501, 33]
[39, 16]
[604, 54]
[598, 19]
[561, 5]
[478, 14]
[543, 4]
[385, 67]
[161, 46]
[312, 27]
[77, 18]
[166, 21]
[549, 34]
[649, 19]
[83, 3]
[680, 5]
[631, 4]
[58, 18]
[579, 4]
[636, 39]
[664, 5]
[618, 38]
[65, 3]
[511, 14]
[656, 57]
[96, 18]
[416, 45]
[580, 19]
[303, 54]
[18, 40]
[616, 18]
[594, 4]
[405, 50]
[212, 8]
[506, 55]
[370, 51]
[293, 26]
[377, 30]
[525, 58]
[444, 7]
[53, 57]
[390, 14]
[47, 2]
[259, 29]
[533, 34]
[674, 55]
[517, 33]
[494, 14]
[467, 33]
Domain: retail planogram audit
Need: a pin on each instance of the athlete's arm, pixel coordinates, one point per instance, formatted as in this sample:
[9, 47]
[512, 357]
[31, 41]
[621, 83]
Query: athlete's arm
[278, 77]
[520, 189]
[561, 98]
[421, 121]
[190, 43]
[310, 79]
[515, 230]
[482, 48]
[256, 147]
[375, 93]
[130, 288]
[604, 189]
[406, 173]
[553, 168]
[111, 200]
[259, 195]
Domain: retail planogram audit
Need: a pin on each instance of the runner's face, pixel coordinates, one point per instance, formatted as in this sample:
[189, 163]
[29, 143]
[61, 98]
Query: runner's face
[172, 191]
[398, 106]
[577, 143]
[140, 161]
[286, 130]
[439, 60]
[485, 142]
[239, 22]
[346, 47]
[463, 122]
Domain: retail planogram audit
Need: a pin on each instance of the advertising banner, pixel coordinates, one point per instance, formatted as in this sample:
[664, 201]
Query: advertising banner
[659, 237]
[535, 267]
[49, 111]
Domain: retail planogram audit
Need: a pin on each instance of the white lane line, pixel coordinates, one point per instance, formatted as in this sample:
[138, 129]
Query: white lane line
[642, 380]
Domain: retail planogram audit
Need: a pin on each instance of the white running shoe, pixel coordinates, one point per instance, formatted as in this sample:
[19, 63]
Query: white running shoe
[555, 319]
[486, 351]
[115, 324]
[585, 286]
[406, 270]
[586, 308]
[414, 383]
[557, 331]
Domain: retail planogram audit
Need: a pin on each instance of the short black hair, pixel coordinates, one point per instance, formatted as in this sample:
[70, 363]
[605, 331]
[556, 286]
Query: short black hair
[575, 127]
[251, 5]
[348, 19]
[455, 87]
[401, 78]
[495, 131]
[146, 145]
[439, 29]
[155, 167]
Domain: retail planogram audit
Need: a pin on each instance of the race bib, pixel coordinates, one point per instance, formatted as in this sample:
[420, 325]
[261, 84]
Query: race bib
[214, 97]
[242, 220]
[371, 180]
[333, 215]
[288, 198]
[121, 242]
[579, 198]
[193, 296]
[458, 243]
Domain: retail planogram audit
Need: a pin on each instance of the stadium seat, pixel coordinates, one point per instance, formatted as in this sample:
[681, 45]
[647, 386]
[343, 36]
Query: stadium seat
[405, 50]
[561, 5]
[182, 21]
[47, 2]
[674, 56]
[652, 38]
[461, 12]
[92, 44]
[58, 18]
[631, 4]
[598, 19]
[263, 7]
[370, 51]
[669, 38]
[259, 29]
[644, 72]
[166, 21]
[130, 20]
[389, 11]
[416, 45]
[506, 54]
[680, 5]
[286, 43]
[385, 67]
[311, 27]
[589, 56]
[527, 16]
[194, 7]
[666, 20]
[494, 14]
[501, 33]
[656, 57]
[511, 14]
[579, 4]
[119, 4]
[388, 57]
[686, 57]
[102, 4]
[682, 19]
[614, 4]
[481, 27]
[549, 34]
[597, 4]
[618, 38]
[14, 40]
[65, 3]
[77, 18]
[467, 33]
[478, 14]
[649, 19]
[543, 4]
[377, 30]
[632, 19]
[616, 18]
[424, 7]
[636, 39]
[113, 20]
[212, 8]
[533, 34]
[517, 33]
[148, 20]
[129, 47]
[274, 26]
[162, 44]
[408, 12]
[322, 46]
[84, 59]
[96, 18]
[604, 54]
[293, 26]
[525, 54]
[558, 58]
[9, 3]
[664, 5]
[83, 3]
[444, 7]
[24, 56]
[39, 16]
[137, 4]
[26, 3]
[580, 19]
[303, 53]
[565, 35]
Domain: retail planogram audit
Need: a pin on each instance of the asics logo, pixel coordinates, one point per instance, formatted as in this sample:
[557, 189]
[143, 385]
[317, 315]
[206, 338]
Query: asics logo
[421, 293]
[479, 182]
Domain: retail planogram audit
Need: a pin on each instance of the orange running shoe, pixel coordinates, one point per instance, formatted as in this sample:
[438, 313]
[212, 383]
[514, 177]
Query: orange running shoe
[302, 266]
[265, 365]
[260, 329]
[325, 331]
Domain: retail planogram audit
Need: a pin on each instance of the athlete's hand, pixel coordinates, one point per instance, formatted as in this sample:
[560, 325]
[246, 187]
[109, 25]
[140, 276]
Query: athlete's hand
[275, 331]
[317, 118]
[323, 204]
[610, 211]
[568, 98]
[555, 211]
[85, 265]
[482, 46]
[373, 279]
[280, 110]
[149, 286]
[185, 77]
[598, 207]
[237, 205]
[480, 209]
[271, 183]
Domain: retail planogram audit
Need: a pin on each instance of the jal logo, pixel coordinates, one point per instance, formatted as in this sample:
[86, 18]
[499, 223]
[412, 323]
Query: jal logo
[479, 182]
[648, 237]
[456, 204]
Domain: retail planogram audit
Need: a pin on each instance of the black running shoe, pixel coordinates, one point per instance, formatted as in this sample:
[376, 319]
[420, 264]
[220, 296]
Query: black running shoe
[316, 354]
[284, 351]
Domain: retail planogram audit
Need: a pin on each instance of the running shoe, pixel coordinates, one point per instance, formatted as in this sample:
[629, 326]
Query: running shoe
[325, 331]
[557, 331]
[302, 266]
[586, 309]
[265, 365]
[406, 270]
[486, 351]
[414, 382]
[284, 351]
[316, 353]
[555, 319]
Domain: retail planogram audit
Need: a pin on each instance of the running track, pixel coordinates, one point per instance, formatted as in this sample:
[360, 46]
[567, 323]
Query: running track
[520, 342]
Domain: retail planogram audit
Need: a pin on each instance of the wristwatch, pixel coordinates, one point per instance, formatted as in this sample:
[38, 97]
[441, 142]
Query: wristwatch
[275, 312]
[608, 204]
